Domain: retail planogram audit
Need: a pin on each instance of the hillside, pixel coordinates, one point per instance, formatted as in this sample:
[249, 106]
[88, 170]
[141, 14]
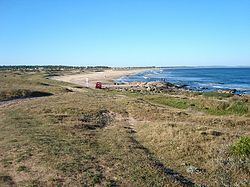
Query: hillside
[59, 134]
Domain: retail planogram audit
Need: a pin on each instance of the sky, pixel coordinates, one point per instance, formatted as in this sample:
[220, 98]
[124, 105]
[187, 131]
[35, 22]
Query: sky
[125, 32]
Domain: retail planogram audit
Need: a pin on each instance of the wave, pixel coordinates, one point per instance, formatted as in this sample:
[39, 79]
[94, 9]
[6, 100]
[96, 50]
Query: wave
[198, 78]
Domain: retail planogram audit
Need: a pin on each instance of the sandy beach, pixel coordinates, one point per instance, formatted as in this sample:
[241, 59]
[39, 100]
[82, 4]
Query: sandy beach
[89, 79]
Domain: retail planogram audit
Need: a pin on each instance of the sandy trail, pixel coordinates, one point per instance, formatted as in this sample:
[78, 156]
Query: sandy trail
[106, 77]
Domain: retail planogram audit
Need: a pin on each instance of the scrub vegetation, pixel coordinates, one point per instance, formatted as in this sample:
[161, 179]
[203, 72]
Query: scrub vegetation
[79, 136]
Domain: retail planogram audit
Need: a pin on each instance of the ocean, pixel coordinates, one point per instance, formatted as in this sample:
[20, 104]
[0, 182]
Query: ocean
[198, 79]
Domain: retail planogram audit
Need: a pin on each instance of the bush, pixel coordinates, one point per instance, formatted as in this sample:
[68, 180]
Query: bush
[22, 169]
[238, 107]
[241, 147]
[217, 94]
[21, 93]
[173, 102]
[224, 108]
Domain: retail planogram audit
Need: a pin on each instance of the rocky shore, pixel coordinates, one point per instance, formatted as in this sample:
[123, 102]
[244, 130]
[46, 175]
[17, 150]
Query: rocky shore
[160, 87]
[152, 87]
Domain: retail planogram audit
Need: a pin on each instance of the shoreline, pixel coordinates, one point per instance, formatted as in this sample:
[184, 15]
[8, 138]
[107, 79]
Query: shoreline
[106, 77]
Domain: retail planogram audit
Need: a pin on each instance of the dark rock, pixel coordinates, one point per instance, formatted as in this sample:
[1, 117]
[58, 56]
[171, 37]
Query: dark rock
[182, 114]
[182, 86]
[168, 84]
[203, 133]
[7, 180]
[216, 133]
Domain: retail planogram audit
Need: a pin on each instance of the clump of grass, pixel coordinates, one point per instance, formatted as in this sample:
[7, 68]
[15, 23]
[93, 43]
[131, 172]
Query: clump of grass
[226, 108]
[241, 147]
[12, 94]
[96, 177]
[22, 169]
[6, 162]
[216, 94]
[238, 107]
[72, 167]
[173, 102]
[21, 93]
[99, 119]
[234, 163]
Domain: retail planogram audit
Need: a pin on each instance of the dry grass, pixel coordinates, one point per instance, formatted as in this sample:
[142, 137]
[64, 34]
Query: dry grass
[19, 84]
[100, 138]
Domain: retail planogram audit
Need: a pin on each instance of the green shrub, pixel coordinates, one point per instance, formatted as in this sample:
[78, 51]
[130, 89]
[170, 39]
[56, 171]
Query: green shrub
[238, 107]
[216, 111]
[22, 169]
[241, 147]
[224, 108]
[223, 105]
[11, 94]
[217, 94]
[173, 102]
[20, 93]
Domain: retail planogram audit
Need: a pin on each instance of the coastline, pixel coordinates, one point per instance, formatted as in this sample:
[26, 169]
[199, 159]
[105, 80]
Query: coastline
[106, 77]
[200, 80]
[110, 120]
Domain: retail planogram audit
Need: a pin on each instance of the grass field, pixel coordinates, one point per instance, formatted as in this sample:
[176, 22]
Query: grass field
[68, 135]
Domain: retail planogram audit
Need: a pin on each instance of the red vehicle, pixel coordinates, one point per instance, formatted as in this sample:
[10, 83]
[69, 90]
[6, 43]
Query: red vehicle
[98, 85]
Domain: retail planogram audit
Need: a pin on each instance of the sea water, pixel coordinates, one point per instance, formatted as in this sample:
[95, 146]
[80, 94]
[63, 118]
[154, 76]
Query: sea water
[199, 79]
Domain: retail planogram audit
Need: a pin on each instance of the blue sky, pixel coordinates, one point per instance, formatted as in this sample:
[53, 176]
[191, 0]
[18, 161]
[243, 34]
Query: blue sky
[125, 32]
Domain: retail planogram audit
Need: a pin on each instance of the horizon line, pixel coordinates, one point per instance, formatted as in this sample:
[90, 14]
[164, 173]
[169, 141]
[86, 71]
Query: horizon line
[105, 66]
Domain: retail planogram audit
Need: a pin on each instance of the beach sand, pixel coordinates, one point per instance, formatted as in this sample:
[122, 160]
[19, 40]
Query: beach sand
[89, 79]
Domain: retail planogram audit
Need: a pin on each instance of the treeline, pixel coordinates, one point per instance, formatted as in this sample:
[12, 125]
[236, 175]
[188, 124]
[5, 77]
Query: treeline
[62, 68]
[51, 67]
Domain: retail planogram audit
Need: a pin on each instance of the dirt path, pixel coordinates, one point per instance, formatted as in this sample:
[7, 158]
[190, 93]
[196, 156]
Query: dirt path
[168, 172]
